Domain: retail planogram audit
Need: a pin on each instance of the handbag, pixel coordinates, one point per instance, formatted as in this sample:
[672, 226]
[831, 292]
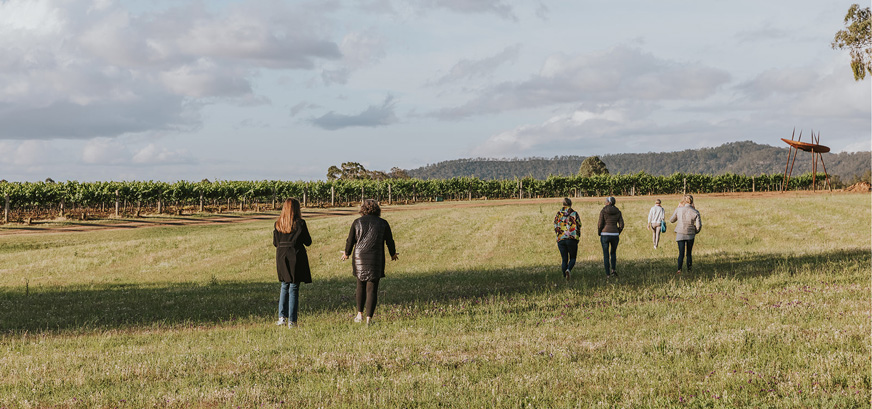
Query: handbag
[662, 226]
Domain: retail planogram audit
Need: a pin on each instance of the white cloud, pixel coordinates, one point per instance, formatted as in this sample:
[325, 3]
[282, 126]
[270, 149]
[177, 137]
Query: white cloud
[496, 7]
[82, 69]
[620, 73]
[105, 151]
[152, 154]
[475, 69]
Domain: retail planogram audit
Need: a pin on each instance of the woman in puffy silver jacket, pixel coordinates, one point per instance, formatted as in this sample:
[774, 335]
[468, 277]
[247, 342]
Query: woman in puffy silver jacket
[689, 225]
[367, 239]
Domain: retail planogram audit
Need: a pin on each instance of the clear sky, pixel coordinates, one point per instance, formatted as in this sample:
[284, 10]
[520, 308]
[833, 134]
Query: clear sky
[270, 89]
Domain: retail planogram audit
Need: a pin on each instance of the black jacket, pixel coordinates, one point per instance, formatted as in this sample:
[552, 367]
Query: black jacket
[292, 262]
[368, 236]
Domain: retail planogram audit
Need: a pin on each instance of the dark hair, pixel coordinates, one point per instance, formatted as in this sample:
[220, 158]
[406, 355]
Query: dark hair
[567, 202]
[610, 200]
[370, 207]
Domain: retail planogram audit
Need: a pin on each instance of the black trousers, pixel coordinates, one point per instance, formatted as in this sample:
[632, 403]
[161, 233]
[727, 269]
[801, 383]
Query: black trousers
[367, 296]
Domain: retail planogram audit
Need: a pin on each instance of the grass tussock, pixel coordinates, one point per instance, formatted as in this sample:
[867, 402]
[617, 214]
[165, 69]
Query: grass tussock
[475, 314]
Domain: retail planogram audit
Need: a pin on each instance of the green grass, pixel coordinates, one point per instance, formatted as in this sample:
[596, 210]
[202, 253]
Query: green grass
[475, 313]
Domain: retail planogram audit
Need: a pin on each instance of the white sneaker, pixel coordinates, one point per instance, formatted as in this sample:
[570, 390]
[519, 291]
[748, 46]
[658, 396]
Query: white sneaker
[292, 324]
[281, 321]
[358, 319]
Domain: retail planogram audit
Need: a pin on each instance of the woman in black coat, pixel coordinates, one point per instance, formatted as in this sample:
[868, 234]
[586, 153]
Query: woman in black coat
[290, 237]
[368, 236]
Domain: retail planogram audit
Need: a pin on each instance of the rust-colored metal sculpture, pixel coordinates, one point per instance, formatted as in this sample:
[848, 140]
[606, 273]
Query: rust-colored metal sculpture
[816, 150]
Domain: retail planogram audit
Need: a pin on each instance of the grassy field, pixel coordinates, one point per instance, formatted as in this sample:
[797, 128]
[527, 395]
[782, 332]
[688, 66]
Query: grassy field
[475, 313]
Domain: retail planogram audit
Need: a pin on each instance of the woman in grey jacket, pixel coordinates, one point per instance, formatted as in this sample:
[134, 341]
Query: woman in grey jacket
[689, 225]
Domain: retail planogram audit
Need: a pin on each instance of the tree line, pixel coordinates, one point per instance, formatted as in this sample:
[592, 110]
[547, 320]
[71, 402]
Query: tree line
[737, 158]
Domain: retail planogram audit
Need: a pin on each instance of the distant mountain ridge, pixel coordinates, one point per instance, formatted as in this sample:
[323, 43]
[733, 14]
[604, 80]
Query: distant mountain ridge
[744, 157]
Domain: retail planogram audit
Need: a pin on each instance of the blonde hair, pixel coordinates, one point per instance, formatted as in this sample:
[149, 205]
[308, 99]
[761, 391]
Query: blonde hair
[688, 199]
[290, 214]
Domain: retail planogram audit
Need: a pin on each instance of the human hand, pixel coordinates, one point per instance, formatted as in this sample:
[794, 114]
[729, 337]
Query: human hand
[395, 257]
[344, 257]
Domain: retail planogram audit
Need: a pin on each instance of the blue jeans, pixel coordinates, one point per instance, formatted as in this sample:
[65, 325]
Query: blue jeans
[609, 254]
[289, 301]
[568, 251]
[681, 245]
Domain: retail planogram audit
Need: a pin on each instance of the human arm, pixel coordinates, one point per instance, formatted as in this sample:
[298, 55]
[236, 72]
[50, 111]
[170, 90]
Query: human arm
[674, 217]
[275, 238]
[389, 241]
[600, 224]
[350, 241]
[698, 223]
[620, 223]
[305, 238]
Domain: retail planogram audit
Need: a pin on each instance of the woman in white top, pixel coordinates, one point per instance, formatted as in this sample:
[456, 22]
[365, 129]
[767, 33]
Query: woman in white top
[655, 216]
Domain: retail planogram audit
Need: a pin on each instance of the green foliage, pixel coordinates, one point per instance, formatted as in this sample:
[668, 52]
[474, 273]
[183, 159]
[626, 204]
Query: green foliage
[592, 166]
[857, 37]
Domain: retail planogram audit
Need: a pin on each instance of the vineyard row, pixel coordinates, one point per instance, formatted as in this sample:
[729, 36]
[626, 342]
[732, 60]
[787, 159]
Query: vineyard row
[40, 200]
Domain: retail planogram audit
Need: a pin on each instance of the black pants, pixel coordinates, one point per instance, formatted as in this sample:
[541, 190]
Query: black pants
[681, 246]
[367, 296]
[568, 251]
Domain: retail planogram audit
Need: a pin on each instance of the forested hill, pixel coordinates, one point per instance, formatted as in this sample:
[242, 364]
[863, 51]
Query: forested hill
[746, 157]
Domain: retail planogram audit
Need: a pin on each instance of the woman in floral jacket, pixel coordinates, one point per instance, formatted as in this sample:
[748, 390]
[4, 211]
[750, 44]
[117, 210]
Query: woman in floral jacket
[566, 226]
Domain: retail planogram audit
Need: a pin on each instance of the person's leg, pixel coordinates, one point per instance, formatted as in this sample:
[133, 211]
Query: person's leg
[689, 255]
[681, 244]
[294, 301]
[564, 254]
[656, 227]
[613, 254]
[371, 298]
[572, 249]
[604, 241]
[360, 296]
[283, 301]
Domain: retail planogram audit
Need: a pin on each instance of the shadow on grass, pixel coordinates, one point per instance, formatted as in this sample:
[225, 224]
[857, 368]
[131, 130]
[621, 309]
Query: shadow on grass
[119, 306]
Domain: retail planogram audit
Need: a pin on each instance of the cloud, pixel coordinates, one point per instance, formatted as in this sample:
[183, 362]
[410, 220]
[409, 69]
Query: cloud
[496, 7]
[303, 106]
[620, 73]
[105, 151]
[152, 154]
[82, 69]
[359, 49]
[374, 116]
[473, 69]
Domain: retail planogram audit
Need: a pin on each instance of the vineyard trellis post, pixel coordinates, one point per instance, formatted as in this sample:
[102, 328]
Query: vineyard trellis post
[117, 196]
[62, 207]
[390, 195]
[753, 186]
[332, 195]
[6, 208]
[684, 189]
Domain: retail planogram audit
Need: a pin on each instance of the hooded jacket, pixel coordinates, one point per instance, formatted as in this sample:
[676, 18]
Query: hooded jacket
[610, 220]
[566, 224]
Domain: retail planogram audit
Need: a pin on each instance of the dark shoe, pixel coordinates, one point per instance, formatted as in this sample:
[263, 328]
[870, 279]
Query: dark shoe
[614, 273]
[566, 275]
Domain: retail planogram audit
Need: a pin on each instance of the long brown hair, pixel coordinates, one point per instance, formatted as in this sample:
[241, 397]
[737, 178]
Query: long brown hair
[290, 214]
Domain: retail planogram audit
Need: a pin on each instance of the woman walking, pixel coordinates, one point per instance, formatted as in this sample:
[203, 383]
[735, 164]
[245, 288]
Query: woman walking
[367, 238]
[689, 225]
[567, 226]
[290, 237]
[655, 217]
[609, 228]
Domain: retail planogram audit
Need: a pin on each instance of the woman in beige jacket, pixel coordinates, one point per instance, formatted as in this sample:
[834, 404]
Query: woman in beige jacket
[689, 225]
